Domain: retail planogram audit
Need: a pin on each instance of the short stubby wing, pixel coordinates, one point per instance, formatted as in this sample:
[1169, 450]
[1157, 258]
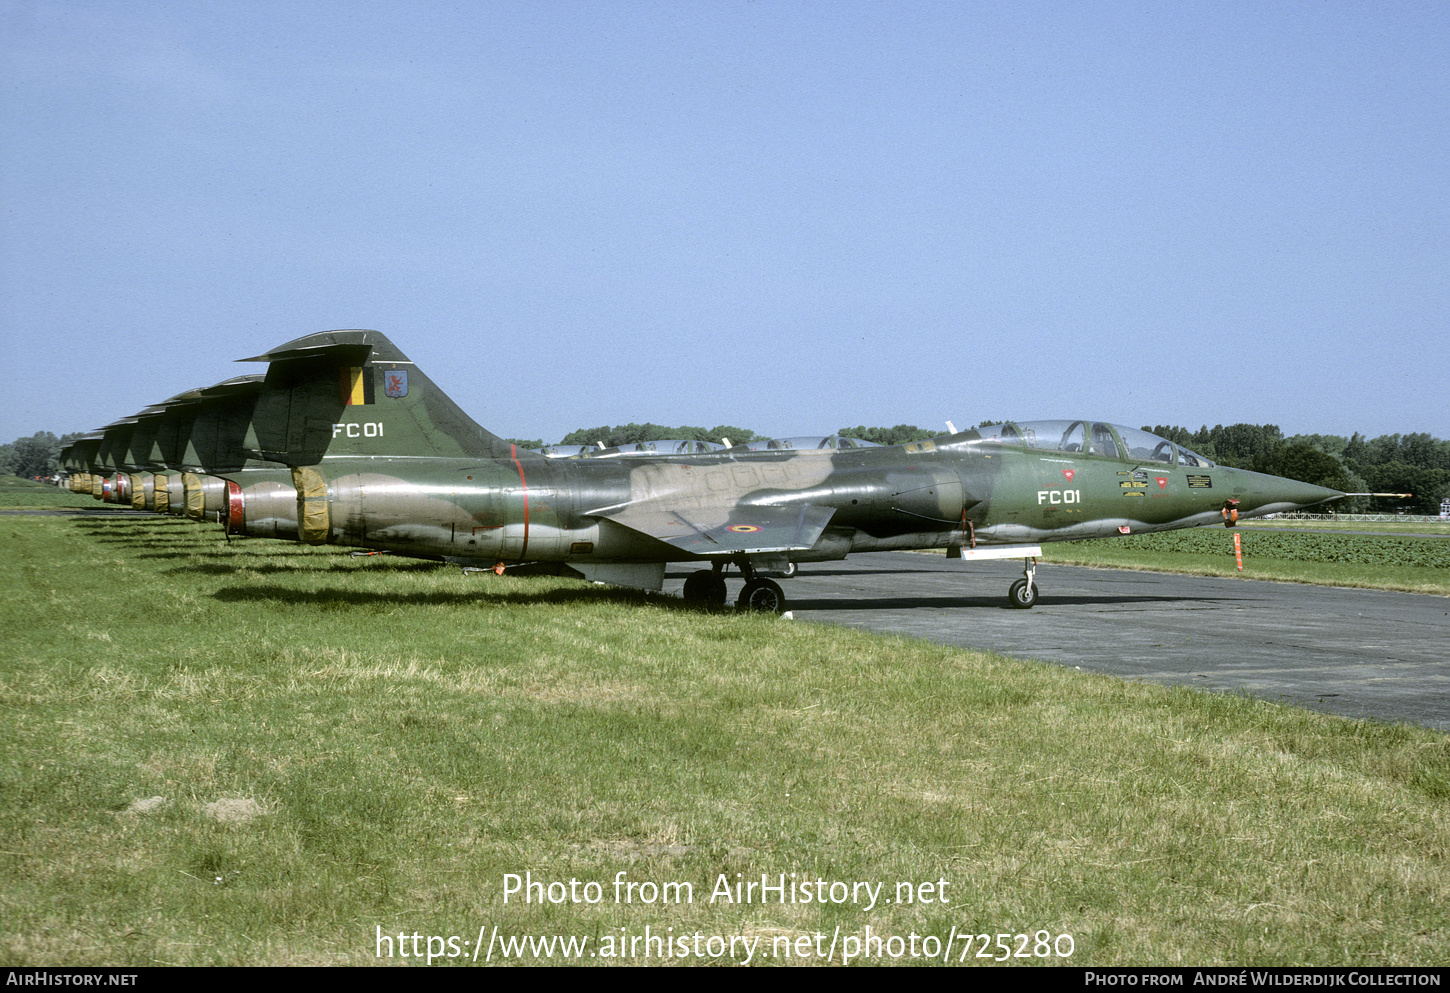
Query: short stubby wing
[739, 530]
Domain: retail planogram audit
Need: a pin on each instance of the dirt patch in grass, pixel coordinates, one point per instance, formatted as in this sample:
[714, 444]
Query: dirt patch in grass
[146, 806]
[233, 811]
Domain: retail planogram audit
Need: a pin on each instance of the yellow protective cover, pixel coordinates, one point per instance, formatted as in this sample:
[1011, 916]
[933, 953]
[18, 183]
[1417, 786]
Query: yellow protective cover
[314, 523]
[195, 498]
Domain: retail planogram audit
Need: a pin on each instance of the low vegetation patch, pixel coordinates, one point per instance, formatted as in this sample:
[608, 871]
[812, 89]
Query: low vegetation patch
[263, 753]
[1382, 525]
[1418, 564]
[16, 492]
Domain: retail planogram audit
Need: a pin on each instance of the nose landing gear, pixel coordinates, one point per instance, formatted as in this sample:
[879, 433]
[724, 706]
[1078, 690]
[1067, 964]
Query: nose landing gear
[1023, 593]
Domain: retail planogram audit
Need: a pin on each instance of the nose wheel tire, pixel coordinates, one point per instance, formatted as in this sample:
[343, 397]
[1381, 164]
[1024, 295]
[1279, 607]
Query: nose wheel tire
[762, 595]
[1022, 595]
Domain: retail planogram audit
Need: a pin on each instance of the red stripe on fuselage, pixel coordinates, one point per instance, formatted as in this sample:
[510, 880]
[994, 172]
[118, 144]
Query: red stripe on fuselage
[514, 454]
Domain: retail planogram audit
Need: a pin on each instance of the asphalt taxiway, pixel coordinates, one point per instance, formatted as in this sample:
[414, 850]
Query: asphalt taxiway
[1358, 653]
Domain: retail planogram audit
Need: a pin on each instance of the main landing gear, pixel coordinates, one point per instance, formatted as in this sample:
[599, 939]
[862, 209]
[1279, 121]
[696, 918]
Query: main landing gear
[765, 595]
[1023, 593]
[760, 594]
[707, 588]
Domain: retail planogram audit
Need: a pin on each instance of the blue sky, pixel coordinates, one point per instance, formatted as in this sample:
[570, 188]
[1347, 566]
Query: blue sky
[785, 216]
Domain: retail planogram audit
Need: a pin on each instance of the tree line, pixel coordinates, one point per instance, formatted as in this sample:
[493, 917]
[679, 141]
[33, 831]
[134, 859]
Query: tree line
[34, 456]
[1392, 463]
[630, 434]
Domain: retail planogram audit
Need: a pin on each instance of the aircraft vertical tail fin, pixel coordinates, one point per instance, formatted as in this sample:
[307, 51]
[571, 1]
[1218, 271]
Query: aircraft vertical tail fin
[355, 393]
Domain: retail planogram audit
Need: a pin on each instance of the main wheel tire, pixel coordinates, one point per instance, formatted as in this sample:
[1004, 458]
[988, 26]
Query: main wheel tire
[705, 588]
[763, 595]
[1022, 595]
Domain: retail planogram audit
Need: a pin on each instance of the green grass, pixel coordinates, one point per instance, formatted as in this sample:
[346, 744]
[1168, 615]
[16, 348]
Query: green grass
[406, 736]
[16, 493]
[1415, 564]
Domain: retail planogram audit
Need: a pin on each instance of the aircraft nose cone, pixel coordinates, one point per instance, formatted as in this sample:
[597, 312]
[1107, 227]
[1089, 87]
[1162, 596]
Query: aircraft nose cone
[1264, 494]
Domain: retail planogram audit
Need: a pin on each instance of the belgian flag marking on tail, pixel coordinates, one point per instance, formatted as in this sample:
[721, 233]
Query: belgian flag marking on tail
[357, 385]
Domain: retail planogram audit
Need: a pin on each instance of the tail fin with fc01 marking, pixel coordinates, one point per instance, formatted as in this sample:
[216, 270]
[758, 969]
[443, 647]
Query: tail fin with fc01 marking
[355, 394]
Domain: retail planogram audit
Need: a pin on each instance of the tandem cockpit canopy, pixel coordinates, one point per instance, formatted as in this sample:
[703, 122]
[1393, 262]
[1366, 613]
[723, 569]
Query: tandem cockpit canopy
[1090, 438]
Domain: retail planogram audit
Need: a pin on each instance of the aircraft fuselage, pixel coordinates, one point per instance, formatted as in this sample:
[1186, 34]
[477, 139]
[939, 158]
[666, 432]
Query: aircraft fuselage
[940, 494]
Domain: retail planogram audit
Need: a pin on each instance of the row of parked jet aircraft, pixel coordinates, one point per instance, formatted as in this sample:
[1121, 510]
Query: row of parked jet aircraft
[345, 441]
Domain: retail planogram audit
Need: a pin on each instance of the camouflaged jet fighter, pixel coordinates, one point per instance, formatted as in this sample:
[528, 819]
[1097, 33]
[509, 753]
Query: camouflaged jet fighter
[380, 458]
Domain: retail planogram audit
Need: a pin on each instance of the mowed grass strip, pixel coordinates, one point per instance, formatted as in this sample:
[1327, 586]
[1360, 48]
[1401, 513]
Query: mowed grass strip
[261, 753]
[1412, 563]
[18, 493]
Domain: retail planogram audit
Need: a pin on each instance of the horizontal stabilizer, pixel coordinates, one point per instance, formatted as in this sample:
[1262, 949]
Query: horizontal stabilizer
[354, 345]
